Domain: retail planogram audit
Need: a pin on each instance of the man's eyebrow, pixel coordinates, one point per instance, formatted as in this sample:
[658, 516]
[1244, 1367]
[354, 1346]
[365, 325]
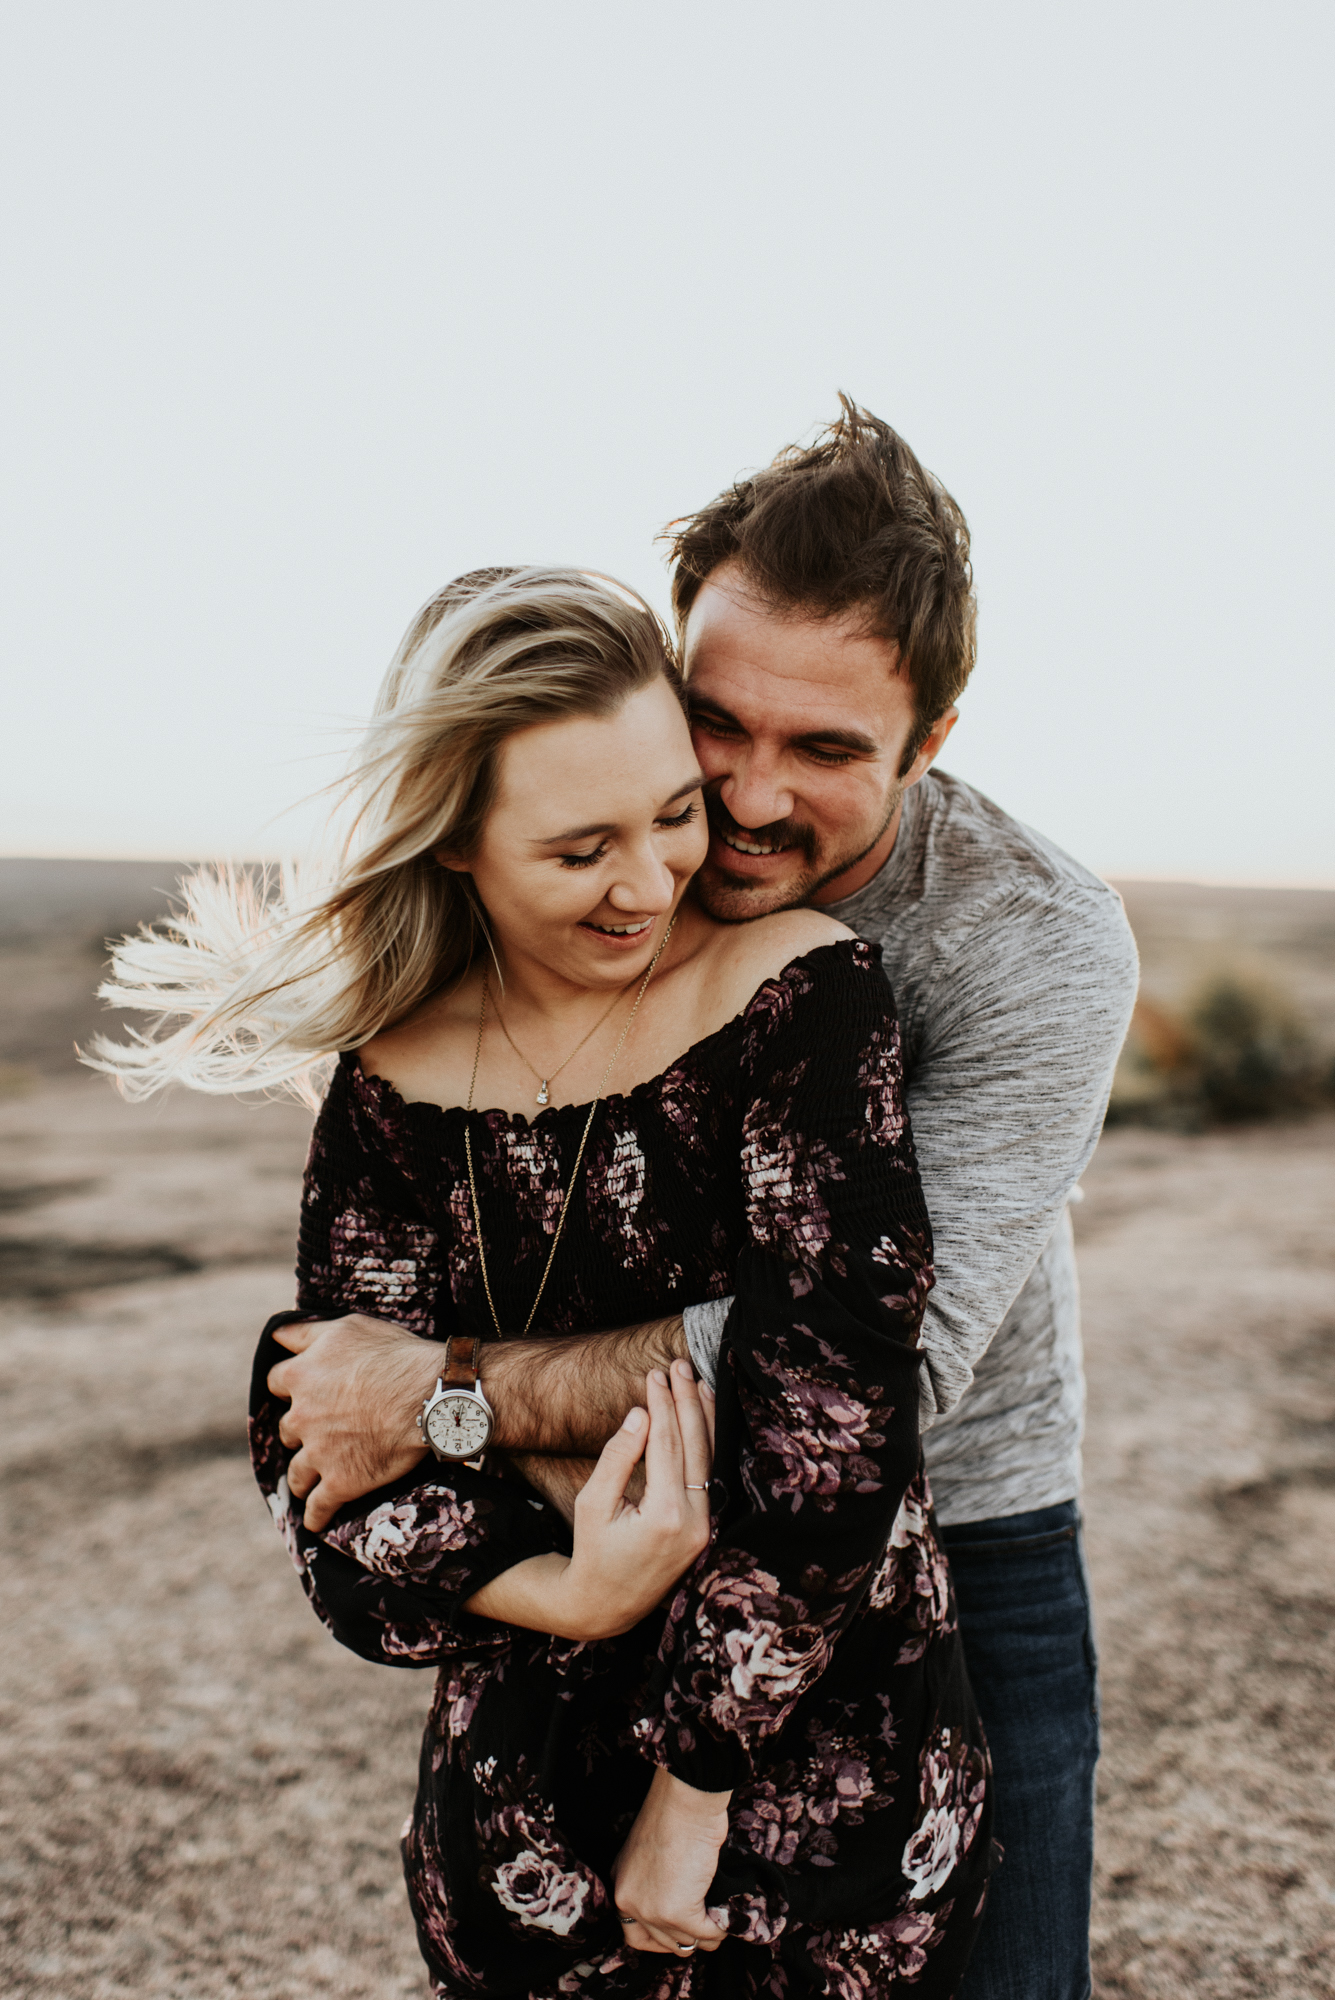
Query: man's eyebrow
[609, 826]
[811, 739]
[842, 739]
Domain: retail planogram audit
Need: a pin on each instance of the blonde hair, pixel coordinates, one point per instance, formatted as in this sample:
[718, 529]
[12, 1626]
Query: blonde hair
[267, 973]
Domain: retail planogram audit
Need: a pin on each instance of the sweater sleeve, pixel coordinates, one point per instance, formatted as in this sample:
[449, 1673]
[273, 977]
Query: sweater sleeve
[1007, 1095]
[391, 1571]
[817, 1424]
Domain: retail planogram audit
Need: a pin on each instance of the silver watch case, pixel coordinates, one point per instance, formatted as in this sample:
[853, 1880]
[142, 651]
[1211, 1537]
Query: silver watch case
[456, 1424]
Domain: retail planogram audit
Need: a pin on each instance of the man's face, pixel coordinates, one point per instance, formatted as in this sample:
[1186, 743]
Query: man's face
[800, 725]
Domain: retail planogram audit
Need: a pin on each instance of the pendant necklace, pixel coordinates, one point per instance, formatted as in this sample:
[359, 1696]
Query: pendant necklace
[544, 1092]
[579, 1157]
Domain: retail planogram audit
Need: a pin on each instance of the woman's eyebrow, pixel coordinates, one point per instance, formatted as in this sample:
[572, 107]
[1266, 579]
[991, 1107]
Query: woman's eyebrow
[609, 826]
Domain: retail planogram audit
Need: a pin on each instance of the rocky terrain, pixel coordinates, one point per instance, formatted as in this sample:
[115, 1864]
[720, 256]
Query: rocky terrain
[201, 1793]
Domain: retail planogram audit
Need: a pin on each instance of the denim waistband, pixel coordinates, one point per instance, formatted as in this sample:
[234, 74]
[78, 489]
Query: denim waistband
[1044, 1524]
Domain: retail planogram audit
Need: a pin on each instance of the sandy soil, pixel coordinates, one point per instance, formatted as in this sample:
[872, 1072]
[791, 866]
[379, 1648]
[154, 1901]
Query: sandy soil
[1208, 1271]
[200, 1793]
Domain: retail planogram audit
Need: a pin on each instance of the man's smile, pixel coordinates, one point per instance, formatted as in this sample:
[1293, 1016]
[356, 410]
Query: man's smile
[741, 845]
[756, 843]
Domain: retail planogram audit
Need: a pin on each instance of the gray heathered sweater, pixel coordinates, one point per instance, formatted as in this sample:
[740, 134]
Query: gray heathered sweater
[1014, 971]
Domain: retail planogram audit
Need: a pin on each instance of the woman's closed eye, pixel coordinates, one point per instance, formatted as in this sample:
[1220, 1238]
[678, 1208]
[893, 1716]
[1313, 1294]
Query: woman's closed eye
[683, 818]
[670, 821]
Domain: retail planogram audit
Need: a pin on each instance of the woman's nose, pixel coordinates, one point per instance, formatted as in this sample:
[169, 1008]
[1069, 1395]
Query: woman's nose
[645, 885]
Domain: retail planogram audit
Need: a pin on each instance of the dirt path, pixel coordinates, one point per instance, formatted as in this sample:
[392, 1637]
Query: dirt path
[1208, 1268]
[201, 1792]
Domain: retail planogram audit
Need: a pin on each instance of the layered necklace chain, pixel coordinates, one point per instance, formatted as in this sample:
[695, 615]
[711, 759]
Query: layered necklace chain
[544, 1082]
[542, 1099]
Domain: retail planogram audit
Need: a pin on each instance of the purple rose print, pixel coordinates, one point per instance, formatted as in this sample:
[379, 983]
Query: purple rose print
[797, 1816]
[530, 1173]
[385, 1268]
[910, 1259]
[749, 1917]
[771, 1010]
[913, 1580]
[881, 1075]
[531, 1872]
[866, 1964]
[785, 1172]
[459, 1689]
[952, 1787]
[280, 1506]
[424, 1641]
[410, 1537]
[811, 1440]
[544, 1896]
[620, 1211]
[764, 1639]
[431, 1908]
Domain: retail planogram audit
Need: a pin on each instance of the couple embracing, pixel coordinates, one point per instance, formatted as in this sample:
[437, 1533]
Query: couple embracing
[628, 1298]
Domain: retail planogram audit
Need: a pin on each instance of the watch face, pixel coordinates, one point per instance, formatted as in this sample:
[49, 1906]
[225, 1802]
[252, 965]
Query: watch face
[459, 1425]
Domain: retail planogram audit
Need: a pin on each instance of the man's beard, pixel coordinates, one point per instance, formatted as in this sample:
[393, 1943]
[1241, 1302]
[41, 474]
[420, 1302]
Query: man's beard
[737, 899]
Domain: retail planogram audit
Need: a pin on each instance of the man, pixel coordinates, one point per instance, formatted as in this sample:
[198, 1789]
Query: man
[827, 621]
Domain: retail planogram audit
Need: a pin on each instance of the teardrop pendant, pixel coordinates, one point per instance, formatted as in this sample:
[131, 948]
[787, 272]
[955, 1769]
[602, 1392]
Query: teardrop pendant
[542, 1093]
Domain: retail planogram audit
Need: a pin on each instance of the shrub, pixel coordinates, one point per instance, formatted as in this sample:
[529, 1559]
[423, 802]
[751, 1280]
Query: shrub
[1254, 1054]
[1237, 1050]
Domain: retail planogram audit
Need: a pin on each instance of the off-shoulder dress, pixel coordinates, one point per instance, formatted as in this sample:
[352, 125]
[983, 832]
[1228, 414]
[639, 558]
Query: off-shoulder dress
[810, 1659]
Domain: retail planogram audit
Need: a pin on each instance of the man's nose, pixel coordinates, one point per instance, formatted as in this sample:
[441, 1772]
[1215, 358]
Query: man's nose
[756, 794]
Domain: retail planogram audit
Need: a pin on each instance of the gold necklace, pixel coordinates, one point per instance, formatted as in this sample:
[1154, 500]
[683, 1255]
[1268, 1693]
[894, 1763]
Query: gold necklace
[544, 1094]
[579, 1157]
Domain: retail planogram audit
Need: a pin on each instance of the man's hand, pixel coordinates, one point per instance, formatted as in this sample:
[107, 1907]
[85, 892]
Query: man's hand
[356, 1387]
[357, 1384]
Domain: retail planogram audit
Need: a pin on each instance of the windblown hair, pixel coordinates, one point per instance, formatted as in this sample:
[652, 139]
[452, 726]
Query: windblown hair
[261, 976]
[851, 523]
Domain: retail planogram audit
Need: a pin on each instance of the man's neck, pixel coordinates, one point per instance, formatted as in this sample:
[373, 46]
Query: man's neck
[864, 869]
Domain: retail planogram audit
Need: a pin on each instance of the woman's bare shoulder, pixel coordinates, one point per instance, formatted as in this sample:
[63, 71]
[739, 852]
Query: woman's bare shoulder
[749, 954]
[421, 1052]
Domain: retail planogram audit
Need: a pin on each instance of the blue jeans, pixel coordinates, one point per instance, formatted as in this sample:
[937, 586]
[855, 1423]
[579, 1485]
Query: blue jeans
[1024, 1612]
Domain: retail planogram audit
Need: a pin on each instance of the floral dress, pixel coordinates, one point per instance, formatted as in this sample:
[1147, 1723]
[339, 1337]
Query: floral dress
[810, 1658]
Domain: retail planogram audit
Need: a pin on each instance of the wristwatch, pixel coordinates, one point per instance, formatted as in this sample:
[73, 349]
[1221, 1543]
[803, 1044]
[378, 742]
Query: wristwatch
[456, 1421]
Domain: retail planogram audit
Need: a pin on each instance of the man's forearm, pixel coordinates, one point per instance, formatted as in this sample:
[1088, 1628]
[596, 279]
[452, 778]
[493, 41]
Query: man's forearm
[559, 1480]
[565, 1396]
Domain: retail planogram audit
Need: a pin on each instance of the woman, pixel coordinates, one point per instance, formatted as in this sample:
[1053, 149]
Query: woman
[720, 1741]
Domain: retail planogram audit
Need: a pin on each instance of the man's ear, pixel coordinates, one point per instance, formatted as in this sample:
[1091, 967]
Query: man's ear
[932, 748]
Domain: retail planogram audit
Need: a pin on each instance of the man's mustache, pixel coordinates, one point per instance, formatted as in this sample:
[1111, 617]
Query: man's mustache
[779, 832]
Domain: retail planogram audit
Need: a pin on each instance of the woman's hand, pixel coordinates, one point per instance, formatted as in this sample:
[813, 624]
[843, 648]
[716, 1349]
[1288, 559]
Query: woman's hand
[662, 1875]
[627, 1554]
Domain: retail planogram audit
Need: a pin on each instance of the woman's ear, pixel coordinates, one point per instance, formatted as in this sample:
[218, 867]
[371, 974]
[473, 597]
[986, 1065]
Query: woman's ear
[449, 857]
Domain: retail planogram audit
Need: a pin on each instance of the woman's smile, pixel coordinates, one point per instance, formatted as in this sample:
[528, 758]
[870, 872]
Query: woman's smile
[631, 933]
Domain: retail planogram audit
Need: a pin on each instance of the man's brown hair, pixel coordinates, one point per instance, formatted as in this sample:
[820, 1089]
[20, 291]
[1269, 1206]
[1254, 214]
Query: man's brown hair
[851, 523]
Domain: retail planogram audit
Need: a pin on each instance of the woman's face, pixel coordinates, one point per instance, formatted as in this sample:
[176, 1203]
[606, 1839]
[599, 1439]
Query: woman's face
[597, 826]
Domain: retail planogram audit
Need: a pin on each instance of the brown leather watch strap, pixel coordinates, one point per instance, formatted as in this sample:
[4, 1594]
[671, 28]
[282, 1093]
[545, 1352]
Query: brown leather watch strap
[463, 1358]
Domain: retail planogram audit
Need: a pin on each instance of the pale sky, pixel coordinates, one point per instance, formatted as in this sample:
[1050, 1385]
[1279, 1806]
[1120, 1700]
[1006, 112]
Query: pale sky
[312, 306]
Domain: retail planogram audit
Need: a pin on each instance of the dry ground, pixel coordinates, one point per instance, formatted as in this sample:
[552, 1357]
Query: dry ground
[201, 1792]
